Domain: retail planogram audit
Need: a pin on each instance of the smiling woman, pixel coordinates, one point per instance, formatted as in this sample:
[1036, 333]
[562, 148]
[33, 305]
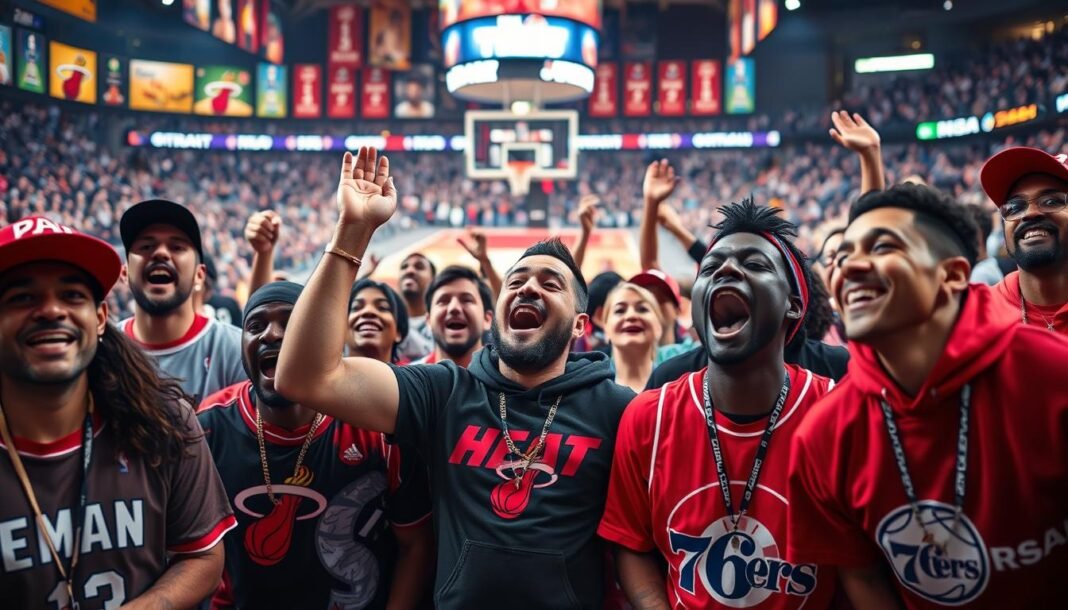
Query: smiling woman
[633, 325]
[378, 321]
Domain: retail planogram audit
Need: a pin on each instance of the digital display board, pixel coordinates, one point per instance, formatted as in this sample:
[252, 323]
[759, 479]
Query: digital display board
[583, 11]
[520, 37]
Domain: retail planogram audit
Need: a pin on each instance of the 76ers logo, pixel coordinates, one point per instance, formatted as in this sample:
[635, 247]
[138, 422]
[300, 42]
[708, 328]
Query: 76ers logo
[953, 576]
[739, 568]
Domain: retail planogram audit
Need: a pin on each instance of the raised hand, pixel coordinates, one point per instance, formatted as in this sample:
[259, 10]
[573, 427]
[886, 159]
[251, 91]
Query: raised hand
[477, 246]
[588, 212]
[660, 181]
[668, 217]
[262, 230]
[366, 194]
[853, 132]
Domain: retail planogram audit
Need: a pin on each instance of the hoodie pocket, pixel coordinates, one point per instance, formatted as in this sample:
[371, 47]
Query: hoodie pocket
[491, 576]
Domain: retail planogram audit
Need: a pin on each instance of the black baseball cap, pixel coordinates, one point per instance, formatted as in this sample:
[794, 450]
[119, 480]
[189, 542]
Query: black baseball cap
[159, 212]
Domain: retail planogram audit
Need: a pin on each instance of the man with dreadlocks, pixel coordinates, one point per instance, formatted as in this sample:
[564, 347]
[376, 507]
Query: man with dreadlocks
[108, 495]
[723, 531]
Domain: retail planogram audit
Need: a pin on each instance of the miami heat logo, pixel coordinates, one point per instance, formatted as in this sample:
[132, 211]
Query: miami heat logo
[510, 499]
[954, 575]
[72, 75]
[268, 539]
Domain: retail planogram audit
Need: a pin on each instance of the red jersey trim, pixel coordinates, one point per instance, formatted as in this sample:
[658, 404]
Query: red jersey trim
[59, 447]
[196, 330]
[207, 541]
[271, 432]
[741, 431]
[656, 436]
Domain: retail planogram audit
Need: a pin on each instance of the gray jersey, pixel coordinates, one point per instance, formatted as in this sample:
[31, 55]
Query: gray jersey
[420, 340]
[205, 360]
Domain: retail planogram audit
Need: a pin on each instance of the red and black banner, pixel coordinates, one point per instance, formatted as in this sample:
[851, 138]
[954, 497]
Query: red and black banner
[346, 36]
[604, 102]
[637, 88]
[707, 87]
[376, 83]
[307, 91]
[340, 93]
[672, 88]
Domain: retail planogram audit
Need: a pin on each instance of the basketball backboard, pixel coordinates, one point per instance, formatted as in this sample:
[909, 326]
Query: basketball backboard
[540, 145]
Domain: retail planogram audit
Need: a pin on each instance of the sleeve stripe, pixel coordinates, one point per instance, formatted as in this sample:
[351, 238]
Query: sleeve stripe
[656, 437]
[418, 521]
[207, 541]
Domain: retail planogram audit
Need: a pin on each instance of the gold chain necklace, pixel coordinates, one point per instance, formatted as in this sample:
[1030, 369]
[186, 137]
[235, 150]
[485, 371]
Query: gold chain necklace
[1023, 310]
[300, 457]
[528, 458]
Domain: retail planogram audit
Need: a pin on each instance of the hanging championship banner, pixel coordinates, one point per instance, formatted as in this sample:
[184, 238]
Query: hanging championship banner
[223, 25]
[223, 91]
[346, 36]
[707, 89]
[112, 79]
[391, 35]
[749, 26]
[270, 91]
[376, 94]
[340, 93]
[604, 101]
[272, 42]
[307, 91]
[672, 88]
[637, 88]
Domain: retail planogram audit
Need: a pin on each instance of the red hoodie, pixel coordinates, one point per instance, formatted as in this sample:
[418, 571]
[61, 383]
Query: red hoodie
[1007, 298]
[847, 502]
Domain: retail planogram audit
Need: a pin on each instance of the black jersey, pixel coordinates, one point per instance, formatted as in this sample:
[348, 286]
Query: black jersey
[328, 542]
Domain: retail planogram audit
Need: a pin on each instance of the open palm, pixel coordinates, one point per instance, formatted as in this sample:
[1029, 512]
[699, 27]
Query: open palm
[660, 181]
[853, 132]
[366, 193]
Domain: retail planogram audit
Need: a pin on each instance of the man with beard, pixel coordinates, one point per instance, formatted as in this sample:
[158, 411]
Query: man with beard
[941, 456]
[417, 272]
[282, 464]
[108, 496]
[699, 474]
[1029, 187]
[164, 266]
[518, 445]
[461, 309]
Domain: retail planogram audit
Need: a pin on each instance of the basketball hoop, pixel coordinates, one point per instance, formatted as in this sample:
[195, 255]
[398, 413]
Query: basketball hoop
[519, 173]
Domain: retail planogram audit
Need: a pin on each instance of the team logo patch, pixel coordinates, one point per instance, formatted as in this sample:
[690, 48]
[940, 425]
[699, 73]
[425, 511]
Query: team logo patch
[952, 577]
[738, 569]
[352, 455]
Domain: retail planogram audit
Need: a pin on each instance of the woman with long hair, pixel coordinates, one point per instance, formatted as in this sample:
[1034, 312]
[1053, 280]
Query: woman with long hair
[633, 325]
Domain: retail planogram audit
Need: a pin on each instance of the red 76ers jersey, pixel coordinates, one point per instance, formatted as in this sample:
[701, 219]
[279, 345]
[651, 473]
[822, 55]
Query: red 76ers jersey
[664, 494]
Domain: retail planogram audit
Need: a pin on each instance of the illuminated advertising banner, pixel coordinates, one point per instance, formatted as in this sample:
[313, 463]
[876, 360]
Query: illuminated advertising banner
[390, 42]
[734, 29]
[441, 143]
[72, 73]
[270, 91]
[340, 93]
[583, 11]
[749, 32]
[741, 86]
[85, 9]
[707, 87]
[272, 41]
[605, 99]
[1061, 103]
[113, 90]
[248, 26]
[160, 86]
[671, 84]
[971, 125]
[637, 88]
[31, 73]
[345, 39]
[520, 37]
[223, 91]
[307, 91]
[197, 13]
[376, 94]
[7, 77]
[223, 24]
[768, 18]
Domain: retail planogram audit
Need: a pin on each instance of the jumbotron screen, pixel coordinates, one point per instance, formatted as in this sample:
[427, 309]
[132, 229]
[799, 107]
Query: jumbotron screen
[583, 11]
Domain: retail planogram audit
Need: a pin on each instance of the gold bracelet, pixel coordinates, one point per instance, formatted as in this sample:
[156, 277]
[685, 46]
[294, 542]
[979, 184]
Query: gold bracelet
[345, 255]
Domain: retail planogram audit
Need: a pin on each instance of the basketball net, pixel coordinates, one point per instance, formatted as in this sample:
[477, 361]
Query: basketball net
[519, 175]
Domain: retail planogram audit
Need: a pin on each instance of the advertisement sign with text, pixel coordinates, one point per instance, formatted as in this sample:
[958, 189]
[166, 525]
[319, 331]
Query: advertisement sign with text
[520, 37]
[160, 86]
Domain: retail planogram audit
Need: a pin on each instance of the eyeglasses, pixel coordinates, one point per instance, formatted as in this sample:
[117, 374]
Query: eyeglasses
[1016, 208]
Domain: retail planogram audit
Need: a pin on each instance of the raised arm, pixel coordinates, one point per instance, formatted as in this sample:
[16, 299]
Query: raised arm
[659, 183]
[587, 214]
[854, 133]
[477, 248]
[311, 371]
[261, 232]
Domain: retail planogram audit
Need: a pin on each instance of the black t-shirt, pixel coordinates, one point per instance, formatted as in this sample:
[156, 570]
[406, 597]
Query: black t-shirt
[328, 543]
[499, 546]
[818, 357]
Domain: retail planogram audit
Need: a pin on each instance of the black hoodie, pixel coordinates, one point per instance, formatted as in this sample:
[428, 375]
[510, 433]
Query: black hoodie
[500, 546]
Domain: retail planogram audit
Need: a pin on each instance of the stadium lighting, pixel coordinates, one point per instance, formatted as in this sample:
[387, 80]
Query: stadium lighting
[948, 5]
[793, 5]
[894, 63]
[167, 2]
[521, 107]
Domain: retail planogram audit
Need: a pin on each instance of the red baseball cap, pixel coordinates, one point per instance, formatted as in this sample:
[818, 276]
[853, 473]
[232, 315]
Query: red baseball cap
[655, 277]
[1004, 169]
[37, 239]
